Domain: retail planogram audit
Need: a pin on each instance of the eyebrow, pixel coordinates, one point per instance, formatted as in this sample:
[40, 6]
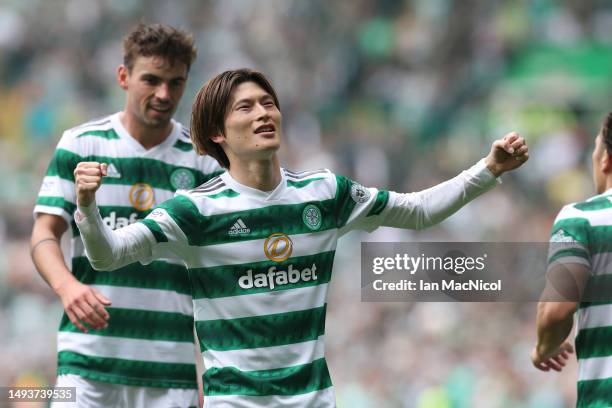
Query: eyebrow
[152, 75]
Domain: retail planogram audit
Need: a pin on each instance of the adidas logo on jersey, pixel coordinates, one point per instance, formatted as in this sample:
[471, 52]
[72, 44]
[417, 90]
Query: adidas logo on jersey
[111, 171]
[239, 228]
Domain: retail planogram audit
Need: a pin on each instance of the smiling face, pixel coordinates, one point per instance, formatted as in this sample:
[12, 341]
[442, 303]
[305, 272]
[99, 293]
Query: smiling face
[154, 88]
[252, 124]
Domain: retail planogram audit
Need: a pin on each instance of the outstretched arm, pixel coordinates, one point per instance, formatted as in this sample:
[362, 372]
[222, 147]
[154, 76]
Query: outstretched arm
[429, 207]
[106, 249]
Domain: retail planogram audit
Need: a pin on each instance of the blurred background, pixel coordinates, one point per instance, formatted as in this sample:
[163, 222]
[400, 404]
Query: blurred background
[395, 94]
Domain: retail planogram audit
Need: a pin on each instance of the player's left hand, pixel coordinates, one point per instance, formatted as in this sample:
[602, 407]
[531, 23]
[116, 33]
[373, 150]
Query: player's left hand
[507, 154]
[555, 360]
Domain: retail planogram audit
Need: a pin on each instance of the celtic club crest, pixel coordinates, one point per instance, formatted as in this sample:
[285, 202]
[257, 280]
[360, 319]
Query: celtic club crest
[312, 217]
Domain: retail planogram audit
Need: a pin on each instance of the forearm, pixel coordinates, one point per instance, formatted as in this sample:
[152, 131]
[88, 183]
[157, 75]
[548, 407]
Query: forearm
[428, 207]
[49, 261]
[107, 249]
[552, 327]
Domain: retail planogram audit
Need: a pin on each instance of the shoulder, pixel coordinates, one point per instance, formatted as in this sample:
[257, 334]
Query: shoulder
[572, 223]
[78, 137]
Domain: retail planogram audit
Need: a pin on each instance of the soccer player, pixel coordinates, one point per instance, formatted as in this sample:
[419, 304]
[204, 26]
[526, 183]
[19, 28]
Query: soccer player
[259, 242]
[139, 351]
[580, 246]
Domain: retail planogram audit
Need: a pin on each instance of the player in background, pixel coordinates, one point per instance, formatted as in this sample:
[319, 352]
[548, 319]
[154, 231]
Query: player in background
[137, 350]
[259, 242]
[580, 245]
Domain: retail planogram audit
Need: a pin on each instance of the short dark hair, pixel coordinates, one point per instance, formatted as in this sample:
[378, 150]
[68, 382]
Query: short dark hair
[211, 107]
[606, 132]
[161, 40]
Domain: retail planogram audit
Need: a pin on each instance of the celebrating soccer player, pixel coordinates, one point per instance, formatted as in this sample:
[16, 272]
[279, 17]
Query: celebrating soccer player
[579, 249]
[138, 351]
[259, 242]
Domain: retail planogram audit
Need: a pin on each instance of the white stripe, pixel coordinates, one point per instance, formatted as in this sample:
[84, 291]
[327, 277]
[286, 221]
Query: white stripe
[260, 304]
[155, 300]
[266, 358]
[45, 209]
[78, 250]
[253, 251]
[125, 348]
[594, 368]
[595, 316]
[242, 224]
[320, 399]
[117, 194]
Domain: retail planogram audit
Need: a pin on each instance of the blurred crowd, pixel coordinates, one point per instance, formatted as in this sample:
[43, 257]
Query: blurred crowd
[395, 94]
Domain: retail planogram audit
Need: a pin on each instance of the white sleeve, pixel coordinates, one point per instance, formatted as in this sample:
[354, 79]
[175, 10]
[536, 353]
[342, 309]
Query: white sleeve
[428, 207]
[108, 250]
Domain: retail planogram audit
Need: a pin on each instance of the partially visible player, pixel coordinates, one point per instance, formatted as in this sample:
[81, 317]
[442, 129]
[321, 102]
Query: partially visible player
[137, 351]
[260, 240]
[581, 246]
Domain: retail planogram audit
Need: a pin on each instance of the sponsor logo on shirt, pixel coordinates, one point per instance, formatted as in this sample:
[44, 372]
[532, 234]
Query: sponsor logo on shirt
[278, 247]
[115, 222]
[359, 193]
[275, 277]
[562, 236]
[142, 196]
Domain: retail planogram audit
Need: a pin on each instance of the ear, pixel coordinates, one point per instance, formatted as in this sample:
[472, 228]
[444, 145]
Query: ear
[122, 76]
[219, 138]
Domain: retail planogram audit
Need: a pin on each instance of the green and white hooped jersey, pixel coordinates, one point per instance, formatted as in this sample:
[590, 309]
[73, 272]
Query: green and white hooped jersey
[259, 265]
[582, 234]
[149, 340]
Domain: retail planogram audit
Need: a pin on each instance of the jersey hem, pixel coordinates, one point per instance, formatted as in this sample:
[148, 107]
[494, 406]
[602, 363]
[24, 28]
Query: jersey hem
[116, 379]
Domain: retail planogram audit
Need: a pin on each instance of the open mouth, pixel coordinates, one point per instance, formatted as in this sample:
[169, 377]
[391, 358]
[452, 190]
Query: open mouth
[268, 128]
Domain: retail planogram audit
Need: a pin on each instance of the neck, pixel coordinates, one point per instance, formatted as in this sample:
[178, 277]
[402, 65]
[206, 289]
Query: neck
[147, 136]
[263, 175]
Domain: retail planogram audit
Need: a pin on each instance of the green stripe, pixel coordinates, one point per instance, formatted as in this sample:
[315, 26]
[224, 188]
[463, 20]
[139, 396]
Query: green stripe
[222, 281]
[344, 202]
[141, 324]
[598, 290]
[156, 230]
[598, 238]
[578, 228]
[382, 198]
[133, 170]
[106, 134]
[211, 230]
[594, 342]
[295, 380]
[128, 372]
[261, 331]
[184, 146]
[569, 252]
[156, 275]
[225, 193]
[600, 203]
[302, 183]
[57, 202]
[594, 393]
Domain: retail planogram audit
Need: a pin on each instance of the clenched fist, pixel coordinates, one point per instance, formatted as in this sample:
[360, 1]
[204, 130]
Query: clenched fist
[87, 179]
[507, 154]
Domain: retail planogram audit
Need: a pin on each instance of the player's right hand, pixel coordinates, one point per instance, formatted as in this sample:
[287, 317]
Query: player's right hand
[84, 305]
[87, 179]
